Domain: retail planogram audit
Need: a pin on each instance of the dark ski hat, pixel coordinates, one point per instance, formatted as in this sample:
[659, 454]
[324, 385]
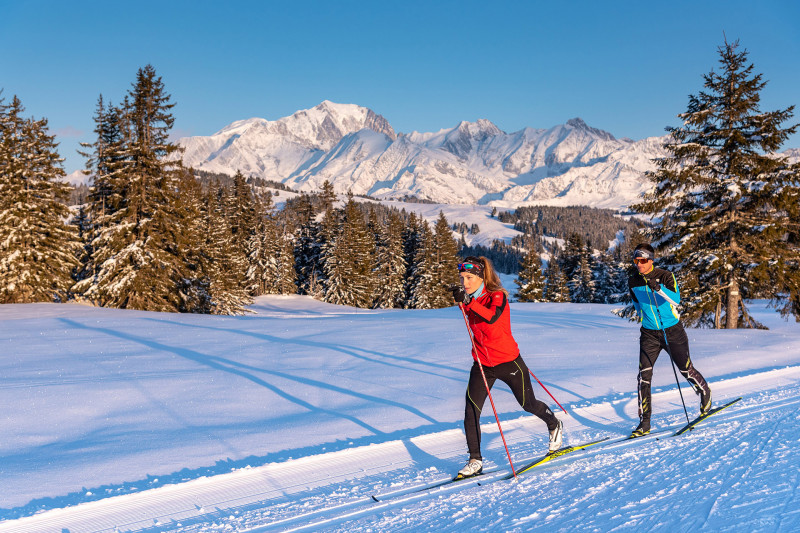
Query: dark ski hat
[473, 265]
[644, 251]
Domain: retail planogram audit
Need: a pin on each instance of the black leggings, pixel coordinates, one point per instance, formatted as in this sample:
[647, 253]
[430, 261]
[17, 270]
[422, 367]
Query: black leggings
[515, 375]
[651, 342]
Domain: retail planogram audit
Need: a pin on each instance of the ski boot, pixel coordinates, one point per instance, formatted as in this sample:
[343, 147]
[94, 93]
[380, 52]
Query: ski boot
[472, 468]
[642, 429]
[705, 400]
[556, 437]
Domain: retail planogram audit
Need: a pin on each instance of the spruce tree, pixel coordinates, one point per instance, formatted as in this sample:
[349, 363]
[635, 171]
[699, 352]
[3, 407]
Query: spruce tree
[243, 211]
[38, 249]
[390, 264]
[194, 289]
[726, 204]
[308, 243]
[349, 260]
[445, 264]
[570, 257]
[225, 261]
[530, 280]
[556, 289]
[139, 260]
[424, 285]
[582, 286]
[412, 241]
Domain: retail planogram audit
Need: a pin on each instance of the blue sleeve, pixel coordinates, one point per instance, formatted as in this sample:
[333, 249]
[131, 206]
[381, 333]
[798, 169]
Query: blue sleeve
[673, 292]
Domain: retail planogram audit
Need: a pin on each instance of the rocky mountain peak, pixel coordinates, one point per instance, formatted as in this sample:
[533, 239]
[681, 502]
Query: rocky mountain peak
[578, 124]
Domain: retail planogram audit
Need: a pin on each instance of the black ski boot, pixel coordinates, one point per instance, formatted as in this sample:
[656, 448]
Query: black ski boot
[642, 429]
[705, 400]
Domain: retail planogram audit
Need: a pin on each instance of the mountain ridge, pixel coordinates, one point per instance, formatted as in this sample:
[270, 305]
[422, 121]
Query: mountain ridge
[358, 150]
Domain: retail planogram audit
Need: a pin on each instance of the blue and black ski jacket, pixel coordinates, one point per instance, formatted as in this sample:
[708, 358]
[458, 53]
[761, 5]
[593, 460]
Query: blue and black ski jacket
[652, 308]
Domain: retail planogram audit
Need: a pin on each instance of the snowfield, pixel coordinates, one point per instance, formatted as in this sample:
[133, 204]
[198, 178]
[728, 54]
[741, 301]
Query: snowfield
[303, 414]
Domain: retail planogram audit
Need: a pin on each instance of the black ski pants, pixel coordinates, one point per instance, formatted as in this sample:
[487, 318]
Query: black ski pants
[651, 342]
[514, 374]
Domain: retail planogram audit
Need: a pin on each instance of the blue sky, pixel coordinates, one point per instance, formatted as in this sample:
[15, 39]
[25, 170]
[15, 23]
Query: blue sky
[625, 67]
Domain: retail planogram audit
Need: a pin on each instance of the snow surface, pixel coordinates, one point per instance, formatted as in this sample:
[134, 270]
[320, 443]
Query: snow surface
[294, 416]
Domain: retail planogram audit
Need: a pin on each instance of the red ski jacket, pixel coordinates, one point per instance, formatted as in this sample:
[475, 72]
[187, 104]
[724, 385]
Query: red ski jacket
[490, 321]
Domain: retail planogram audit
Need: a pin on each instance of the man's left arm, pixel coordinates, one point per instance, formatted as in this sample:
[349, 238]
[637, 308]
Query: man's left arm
[669, 288]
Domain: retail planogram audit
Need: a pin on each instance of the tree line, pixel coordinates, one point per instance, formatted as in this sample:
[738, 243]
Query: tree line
[153, 235]
[577, 273]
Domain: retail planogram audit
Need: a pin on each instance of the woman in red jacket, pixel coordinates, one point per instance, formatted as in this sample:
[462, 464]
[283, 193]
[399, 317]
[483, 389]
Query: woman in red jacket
[485, 302]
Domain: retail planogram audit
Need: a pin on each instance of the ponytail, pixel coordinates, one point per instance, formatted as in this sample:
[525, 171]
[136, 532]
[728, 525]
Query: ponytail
[491, 281]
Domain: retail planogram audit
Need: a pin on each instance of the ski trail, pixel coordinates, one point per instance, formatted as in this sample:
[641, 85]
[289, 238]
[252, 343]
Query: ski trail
[332, 489]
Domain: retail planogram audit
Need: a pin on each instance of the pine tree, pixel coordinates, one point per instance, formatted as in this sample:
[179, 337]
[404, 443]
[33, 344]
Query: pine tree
[412, 241]
[445, 264]
[225, 262]
[581, 286]
[195, 288]
[530, 280]
[570, 257]
[308, 243]
[243, 212]
[424, 285]
[349, 260]
[285, 281]
[727, 205]
[556, 289]
[38, 250]
[327, 196]
[138, 260]
[390, 264]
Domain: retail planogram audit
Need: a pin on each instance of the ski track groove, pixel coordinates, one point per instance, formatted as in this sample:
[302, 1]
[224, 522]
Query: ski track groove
[330, 516]
[725, 416]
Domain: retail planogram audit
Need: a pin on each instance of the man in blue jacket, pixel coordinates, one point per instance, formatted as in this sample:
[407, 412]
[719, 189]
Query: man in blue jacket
[655, 296]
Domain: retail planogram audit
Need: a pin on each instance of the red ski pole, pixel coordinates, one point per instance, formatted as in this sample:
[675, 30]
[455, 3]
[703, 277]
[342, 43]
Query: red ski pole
[547, 391]
[486, 383]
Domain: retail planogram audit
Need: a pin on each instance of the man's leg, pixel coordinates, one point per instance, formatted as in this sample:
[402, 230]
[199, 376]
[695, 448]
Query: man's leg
[649, 348]
[679, 350]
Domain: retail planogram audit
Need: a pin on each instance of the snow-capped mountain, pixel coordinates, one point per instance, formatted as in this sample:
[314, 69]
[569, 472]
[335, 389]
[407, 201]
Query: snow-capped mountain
[473, 163]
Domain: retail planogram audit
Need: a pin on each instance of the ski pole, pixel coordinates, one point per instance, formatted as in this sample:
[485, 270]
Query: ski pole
[488, 391]
[547, 391]
[669, 352]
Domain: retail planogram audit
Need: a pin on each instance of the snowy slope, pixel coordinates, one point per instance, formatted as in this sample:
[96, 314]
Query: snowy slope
[293, 416]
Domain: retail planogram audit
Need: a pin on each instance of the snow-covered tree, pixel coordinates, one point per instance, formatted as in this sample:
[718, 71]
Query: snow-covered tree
[726, 205]
[138, 254]
[38, 249]
[225, 263]
[582, 284]
[445, 263]
[349, 260]
[424, 284]
[308, 244]
[530, 280]
[556, 289]
[390, 264]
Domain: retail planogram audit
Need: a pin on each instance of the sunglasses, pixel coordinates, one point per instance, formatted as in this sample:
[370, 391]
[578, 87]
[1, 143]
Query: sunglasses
[463, 267]
[640, 261]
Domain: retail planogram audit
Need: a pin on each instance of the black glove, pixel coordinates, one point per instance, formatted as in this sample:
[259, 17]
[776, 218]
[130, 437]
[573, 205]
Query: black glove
[460, 295]
[654, 285]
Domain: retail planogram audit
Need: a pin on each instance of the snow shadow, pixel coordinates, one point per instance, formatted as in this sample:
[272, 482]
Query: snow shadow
[352, 351]
[250, 372]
